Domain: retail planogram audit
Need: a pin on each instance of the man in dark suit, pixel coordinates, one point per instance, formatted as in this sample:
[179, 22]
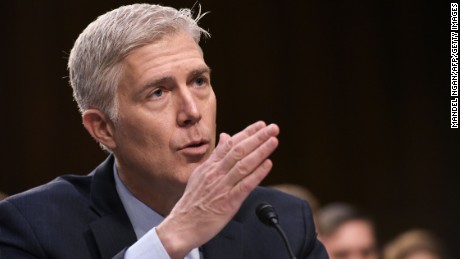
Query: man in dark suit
[166, 190]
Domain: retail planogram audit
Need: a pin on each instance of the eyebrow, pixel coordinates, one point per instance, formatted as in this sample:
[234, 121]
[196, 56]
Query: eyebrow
[200, 71]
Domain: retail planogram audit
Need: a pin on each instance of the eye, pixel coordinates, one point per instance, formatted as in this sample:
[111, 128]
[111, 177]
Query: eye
[201, 81]
[157, 93]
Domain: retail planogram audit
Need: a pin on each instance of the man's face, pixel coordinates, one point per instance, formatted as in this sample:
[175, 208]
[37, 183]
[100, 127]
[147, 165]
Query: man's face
[167, 112]
[352, 240]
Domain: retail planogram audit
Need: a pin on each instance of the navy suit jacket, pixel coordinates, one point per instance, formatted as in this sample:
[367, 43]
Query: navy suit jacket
[83, 217]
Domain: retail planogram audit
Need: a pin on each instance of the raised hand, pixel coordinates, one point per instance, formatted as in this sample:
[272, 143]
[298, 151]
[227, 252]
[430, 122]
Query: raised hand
[218, 187]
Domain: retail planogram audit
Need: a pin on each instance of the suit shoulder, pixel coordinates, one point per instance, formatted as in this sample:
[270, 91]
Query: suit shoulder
[274, 196]
[283, 203]
[60, 189]
[294, 215]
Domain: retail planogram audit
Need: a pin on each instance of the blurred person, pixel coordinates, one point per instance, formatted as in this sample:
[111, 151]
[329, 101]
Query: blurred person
[2, 196]
[346, 232]
[166, 189]
[300, 192]
[415, 244]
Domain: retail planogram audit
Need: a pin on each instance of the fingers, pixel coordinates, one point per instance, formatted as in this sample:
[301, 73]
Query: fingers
[243, 155]
[251, 162]
[248, 131]
[238, 152]
[224, 137]
[247, 184]
[224, 145]
[226, 142]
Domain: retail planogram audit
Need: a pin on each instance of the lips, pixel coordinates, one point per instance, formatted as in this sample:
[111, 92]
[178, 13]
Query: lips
[194, 144]
[195, 147]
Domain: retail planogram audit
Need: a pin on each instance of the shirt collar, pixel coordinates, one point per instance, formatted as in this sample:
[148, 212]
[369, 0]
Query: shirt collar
[142, 217]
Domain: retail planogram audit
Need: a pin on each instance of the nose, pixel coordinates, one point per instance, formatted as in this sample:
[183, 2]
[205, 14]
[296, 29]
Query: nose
[188, 110]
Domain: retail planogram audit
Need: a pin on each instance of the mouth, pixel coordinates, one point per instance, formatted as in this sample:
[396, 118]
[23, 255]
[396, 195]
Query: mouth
[194, 148]
[196, 144]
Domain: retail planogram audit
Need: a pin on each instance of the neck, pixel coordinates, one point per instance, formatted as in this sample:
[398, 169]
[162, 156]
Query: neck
[156, 194]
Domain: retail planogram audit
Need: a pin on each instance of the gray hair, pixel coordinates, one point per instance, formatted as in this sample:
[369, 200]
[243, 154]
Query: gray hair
[94, 63]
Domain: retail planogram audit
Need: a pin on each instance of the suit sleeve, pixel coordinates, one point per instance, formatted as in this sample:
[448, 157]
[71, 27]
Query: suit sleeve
[17, 239]
[314, 249]
[317, 252]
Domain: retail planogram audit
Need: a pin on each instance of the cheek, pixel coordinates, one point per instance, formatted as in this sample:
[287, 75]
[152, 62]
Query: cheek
[211, 107]
[211, 110]
[134, 131]
[128, 136]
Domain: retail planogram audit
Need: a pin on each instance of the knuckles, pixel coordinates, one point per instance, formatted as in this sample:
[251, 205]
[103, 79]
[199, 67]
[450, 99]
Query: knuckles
[242, 168]
[238, 152]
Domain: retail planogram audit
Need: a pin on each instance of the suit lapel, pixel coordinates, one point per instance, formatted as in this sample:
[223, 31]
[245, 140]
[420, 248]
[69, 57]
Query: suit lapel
[113, 230]
[227, 244]
[111, 236]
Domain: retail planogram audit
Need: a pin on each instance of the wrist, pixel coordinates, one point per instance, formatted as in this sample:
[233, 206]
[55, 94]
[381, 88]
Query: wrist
[174, 243]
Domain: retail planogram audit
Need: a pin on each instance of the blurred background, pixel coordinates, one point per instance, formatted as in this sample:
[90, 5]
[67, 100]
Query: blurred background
[360, 90]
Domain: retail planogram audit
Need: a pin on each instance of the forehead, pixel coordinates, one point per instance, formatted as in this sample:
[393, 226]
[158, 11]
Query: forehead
[172, 56]
[173, 47]
[354, 232]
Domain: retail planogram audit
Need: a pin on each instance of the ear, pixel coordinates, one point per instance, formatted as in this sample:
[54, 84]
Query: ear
[100, 127]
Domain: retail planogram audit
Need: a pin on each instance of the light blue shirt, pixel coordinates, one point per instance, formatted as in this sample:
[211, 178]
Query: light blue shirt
[144, 221]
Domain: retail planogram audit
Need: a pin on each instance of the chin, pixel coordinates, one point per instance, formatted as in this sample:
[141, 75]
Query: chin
[186, 173]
